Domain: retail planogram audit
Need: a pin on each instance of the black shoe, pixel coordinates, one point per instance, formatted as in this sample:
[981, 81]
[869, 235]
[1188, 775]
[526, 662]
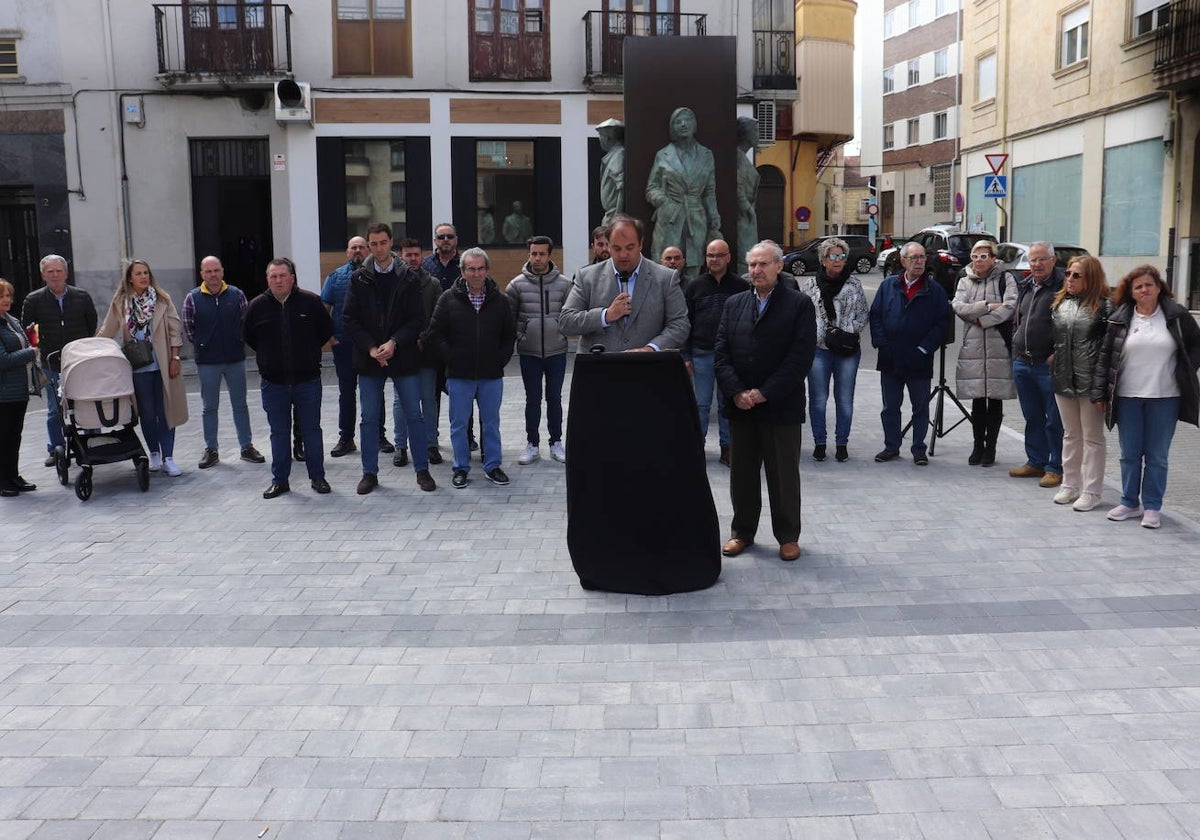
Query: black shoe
[425, 481]
[276, 490]
[819, 452]
[989, 457]
[886, 455]
[50, 462]
[385, 446]
[976, 456]
[401, 458]
[249, 453]
[23, 485]
[367, 483]
[497, 476]
[435, 455]
[921, 459]
[209, 458]
[724, 459]
[344, 447]
[459, 481]
[474, 445]
[840, 454]
[9, 492]
[321, 486]
[298, 450]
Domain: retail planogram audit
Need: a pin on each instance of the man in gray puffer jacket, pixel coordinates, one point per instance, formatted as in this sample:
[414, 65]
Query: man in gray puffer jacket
[537, 295]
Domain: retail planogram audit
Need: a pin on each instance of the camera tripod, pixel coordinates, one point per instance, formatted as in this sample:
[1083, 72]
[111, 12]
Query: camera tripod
[938, 397]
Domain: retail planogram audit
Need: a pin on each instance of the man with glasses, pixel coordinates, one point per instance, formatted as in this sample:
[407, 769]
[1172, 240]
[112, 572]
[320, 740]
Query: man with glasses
[705, 297]
[1032, 346]
[909, 319]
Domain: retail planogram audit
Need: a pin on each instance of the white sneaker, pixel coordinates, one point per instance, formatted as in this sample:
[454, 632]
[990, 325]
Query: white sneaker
[155, 462]
[557, 452]
[1150, 519]
[170, 468]
[1065, 495]
[1122, 512]
[531, 454]
[1086, 501]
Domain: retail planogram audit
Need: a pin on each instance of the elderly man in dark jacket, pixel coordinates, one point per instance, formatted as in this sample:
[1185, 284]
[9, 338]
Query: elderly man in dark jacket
[766, 342]
[909, 318]
[473, 328]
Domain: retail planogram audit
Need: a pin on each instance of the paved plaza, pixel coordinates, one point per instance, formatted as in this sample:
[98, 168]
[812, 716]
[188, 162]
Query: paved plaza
[953, 656]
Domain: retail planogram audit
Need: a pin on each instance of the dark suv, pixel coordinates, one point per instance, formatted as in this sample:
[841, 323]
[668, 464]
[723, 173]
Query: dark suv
[804, 259]
[948, 251]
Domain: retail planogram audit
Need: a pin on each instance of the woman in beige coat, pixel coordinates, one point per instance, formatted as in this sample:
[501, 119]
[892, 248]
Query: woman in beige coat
[140, 309]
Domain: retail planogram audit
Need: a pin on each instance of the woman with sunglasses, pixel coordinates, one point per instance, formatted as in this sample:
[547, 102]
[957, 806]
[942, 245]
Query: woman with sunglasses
[984, 300]
[1145, 381]
[1079, 312]
[842, 314]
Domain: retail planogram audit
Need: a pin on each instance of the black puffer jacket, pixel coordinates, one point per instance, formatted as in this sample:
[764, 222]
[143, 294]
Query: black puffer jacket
[1183, 328]
[473, 345]
[76, 319]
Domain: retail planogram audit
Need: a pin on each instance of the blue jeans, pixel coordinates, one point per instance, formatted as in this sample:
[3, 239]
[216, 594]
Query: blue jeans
[1043, 425]
[843, 370]
[152, 409]
[408, 395]
[704, 382]
[54, 430]
[533, 369]
[210, 377]
[1145, 428]
[488, 393]
[347, 378]
[279, 402]
[427, 380]
[918, 398]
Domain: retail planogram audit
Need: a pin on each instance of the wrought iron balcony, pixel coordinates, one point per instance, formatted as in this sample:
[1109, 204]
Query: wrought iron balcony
[235, 44]
[774, 59]
[604, 38]
[1177, 48]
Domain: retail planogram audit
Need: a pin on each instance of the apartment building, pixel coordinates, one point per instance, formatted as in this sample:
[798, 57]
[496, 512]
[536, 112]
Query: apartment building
[250, 128]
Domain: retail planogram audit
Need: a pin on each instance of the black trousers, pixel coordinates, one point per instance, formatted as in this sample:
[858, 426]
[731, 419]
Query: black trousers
[12, 421]
[774, 449]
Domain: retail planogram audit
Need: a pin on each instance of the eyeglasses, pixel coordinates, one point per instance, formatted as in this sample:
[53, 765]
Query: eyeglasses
[984, 256]
[1073, 274]
[472, 269]
[447, 236]
[716, 256]
[836, 257]
[1040, 259]
[915, 257]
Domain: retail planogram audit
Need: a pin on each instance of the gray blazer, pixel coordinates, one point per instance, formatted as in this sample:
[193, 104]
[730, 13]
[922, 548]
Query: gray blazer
[659, 313]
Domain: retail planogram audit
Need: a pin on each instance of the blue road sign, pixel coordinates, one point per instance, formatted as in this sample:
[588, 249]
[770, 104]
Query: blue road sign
[995, 186]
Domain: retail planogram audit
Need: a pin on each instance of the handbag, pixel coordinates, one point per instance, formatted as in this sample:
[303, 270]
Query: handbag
[139, 352]
[837, 340]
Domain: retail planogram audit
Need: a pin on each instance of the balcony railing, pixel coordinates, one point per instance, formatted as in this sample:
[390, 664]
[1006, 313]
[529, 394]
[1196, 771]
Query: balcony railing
[605, 33]
[774, 59]
[1177, 47]
[229, 41]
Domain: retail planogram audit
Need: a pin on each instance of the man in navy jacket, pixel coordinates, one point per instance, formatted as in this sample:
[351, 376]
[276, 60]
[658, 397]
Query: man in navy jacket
[909, 319]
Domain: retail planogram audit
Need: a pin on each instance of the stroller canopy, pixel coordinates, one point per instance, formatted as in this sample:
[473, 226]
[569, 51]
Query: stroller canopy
[95, 369]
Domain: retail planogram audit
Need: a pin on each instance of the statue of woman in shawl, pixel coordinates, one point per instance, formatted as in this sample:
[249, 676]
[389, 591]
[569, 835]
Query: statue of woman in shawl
[682, 187]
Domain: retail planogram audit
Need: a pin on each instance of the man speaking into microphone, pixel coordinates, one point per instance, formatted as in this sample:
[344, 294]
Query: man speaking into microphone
[626, 302]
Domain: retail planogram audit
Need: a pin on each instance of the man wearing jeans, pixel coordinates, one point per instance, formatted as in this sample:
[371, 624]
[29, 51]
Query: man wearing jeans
[474, 329]
[537, 295]
[62, 313]
[287, 327]
[1033, 344]
[212, 320]
[383, 317]
[706, 297]
[431, 290]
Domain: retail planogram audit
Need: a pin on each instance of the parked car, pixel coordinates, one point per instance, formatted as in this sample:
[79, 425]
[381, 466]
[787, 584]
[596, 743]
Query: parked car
[948, 250]
[1015, 255]
[804, 260]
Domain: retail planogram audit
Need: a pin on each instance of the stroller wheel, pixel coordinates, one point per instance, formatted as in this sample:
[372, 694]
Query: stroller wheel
[83, 485]
[143, 474]
[63, 465]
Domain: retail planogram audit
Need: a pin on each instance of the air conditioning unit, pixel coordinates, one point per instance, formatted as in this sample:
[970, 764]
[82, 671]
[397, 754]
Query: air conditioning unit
[293, 101]
[764, 112]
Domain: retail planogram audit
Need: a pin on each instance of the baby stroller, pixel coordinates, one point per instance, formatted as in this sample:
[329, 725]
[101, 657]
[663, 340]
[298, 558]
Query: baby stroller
[98, 413]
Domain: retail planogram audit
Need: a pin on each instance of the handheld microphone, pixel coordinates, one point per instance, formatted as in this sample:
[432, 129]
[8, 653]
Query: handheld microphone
[623, 281]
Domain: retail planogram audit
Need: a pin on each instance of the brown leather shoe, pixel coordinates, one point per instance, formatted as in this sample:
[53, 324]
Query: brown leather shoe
[1050, 479]
[789, 551]
[735, 546]
[1026, 471]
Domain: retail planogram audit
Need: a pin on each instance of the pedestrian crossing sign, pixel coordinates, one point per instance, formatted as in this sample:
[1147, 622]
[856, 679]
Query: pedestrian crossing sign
[995, 186]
